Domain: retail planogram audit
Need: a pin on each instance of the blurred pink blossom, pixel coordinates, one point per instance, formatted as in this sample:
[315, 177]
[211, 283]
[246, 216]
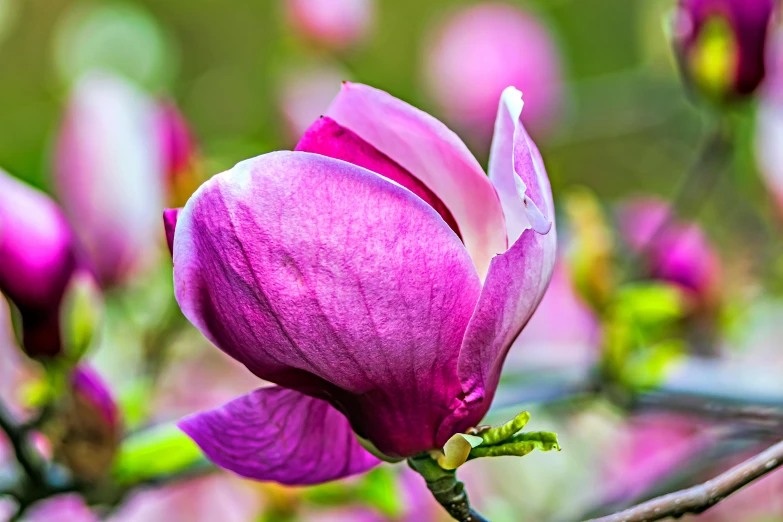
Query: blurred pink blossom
[64, 508]
[218, 497]
[305, 94]
[482, 49]
[675, 251]
[333, 23]
[652, 446]
[109, 175]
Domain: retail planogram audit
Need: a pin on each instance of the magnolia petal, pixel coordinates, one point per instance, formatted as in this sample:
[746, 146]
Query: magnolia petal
[515, 285]
[170, 216]
[518, 279]
[324, 277]
[430, 151]
[329, 138]
[516, 170]
[279, 435]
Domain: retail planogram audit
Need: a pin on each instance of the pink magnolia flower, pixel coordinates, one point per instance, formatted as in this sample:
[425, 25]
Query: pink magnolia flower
[674, 251]
[746, 21]
[38, 261]
[376, 275]
[110, 176]
[478, 52]
[334, 23]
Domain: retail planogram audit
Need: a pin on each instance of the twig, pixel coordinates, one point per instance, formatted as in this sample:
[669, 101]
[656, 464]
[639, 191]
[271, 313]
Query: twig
[23, 450]
[700, 498]
[762, 418]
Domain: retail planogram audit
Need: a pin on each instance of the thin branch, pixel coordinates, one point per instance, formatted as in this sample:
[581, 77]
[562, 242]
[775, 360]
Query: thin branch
[700, 498]
[24, 452]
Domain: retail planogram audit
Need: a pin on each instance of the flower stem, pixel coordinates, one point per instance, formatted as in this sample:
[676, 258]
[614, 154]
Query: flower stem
[447, 490]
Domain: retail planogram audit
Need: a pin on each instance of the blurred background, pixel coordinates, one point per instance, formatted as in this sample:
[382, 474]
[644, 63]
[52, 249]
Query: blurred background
[656, 354]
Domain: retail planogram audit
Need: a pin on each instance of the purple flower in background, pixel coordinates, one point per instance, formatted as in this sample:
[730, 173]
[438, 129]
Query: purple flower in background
[88, 428]
[721, 43]
[478, 52]
[88, 386]
[376, 275]
[652, 447]
[674, 251]
[178, 152]
[333, 23]
[110, 175]
[38, 260]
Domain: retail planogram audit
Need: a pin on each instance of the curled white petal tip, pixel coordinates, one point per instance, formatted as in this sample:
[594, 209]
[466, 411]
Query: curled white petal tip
[538, 222]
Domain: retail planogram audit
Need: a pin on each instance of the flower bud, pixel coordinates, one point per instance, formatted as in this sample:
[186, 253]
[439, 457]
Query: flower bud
[86, 429]
[109, 175]
[673, 251]
[720, 45]
[81, 315]
[332, 23]
[38, 260]
[178, 152]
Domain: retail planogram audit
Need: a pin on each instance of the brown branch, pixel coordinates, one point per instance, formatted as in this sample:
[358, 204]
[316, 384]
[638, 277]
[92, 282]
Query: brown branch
[700, 498]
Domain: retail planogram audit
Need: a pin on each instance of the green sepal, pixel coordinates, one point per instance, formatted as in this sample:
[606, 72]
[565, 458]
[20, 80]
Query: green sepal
[498, 434]
[375, 452]
[519, 445]
[156, 452]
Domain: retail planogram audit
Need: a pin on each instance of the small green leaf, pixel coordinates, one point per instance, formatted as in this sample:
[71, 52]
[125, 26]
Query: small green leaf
[159, 451]
[519, 445]
[501, 433]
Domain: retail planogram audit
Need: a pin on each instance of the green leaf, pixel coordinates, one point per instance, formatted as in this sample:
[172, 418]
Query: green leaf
[649, 367]
[156, 452]
[650, 303]
[519, 445]
[501, 433]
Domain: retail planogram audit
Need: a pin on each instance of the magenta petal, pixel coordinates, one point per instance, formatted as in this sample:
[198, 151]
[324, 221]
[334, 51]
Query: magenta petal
[324, 277]
[281, 435]
[170, 216]
[37, 259]
[516, 283]
[430, 151]
[329, 138]
[518, 279]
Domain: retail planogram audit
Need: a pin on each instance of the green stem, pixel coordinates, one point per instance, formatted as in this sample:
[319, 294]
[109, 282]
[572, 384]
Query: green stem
[447, 490]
